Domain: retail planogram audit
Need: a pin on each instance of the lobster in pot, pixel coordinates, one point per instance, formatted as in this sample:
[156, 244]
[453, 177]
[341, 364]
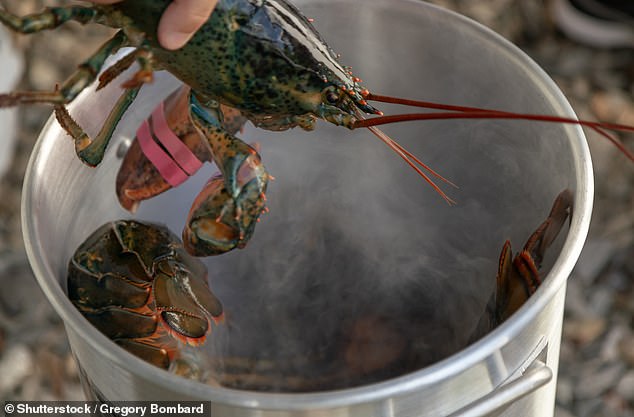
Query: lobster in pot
[136, 284]
[518, 277]
[256, 60]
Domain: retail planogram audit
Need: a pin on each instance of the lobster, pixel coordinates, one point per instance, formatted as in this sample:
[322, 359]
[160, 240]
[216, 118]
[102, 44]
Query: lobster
[135, 283]
[256, 60]
[518, 276]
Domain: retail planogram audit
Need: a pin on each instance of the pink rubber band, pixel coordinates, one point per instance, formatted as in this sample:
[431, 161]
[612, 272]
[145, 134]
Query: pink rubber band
[166, 166]
[179, 151]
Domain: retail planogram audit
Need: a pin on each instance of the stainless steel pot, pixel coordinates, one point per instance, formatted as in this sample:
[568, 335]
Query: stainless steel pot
[508, 173]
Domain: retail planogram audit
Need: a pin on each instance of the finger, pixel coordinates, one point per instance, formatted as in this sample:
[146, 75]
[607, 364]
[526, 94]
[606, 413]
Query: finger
[181, 20]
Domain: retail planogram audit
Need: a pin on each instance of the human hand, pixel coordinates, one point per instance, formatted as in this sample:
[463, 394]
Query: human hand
[181, 20]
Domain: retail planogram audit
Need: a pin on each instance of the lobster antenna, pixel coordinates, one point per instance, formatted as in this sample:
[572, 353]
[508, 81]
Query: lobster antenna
[412, 161]
[463, 112]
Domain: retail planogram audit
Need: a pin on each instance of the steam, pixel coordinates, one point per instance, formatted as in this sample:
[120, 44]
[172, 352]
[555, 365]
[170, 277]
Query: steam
[351, 278]
[361, 272]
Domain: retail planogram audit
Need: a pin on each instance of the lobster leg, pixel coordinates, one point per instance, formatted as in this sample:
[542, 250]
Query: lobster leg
[82, 78]
[143, 56]
[224, 214]
[50, 19]
[91, 151]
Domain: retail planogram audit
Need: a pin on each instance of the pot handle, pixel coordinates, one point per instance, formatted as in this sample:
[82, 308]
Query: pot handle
[536, 375]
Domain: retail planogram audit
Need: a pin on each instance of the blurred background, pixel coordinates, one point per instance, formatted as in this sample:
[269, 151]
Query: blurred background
[596, 375]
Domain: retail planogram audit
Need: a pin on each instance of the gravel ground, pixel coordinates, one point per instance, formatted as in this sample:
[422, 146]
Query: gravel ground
[597, 355]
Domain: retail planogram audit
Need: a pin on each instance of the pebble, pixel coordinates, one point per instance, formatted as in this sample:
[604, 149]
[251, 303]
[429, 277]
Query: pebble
[625, 302]
[580, 86]
[74, 392]
[619, 280]
[577, 61]
[608, 79]
[589, 408]
[576, 304]
[584, 331]
[610, 346]
[594, 382]
[620, 227]
[601, 300]
[613, 404]
[41, 75]
[613, 106]
[626, 348]
[32, 388]
[11, 70]
[70, 367]
[594, 257]
[565, 391]
[52, 367]
[15, 365]
[625, 387]
[562, 412]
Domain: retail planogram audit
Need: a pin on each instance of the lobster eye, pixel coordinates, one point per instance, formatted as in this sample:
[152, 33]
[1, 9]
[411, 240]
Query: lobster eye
[332, 97]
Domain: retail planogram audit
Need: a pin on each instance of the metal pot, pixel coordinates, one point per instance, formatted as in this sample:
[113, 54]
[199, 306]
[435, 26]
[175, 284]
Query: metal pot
[508, 173]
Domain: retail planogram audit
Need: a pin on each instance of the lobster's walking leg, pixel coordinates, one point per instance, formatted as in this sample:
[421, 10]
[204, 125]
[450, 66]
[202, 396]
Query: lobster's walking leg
[82, 78]
[224, 214]
[143, 56]
[49, 19]
[91, 151]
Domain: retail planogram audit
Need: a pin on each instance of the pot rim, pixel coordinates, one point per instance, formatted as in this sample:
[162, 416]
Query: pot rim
[403, 385]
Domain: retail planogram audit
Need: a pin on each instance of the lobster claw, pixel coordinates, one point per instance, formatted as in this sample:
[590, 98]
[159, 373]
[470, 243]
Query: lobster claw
[136, 283]
[518, 277]
[167, 150]
[184, 304]
[218, 222]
